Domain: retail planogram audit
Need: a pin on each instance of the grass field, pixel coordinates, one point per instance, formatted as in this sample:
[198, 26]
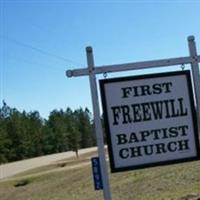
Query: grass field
[71, 179]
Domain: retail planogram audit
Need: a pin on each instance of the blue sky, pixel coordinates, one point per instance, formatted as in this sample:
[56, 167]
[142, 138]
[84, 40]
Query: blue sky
[40, 39]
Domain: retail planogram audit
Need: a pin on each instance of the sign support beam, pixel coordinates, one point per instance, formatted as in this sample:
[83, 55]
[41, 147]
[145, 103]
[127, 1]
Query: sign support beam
[132, 66]
[98, 125]
[196, 75]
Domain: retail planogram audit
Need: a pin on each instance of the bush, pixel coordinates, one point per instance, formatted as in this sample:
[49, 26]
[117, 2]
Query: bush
[21, 183]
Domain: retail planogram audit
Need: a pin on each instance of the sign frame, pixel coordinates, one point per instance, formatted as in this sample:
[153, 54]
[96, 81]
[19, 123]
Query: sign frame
[114, 168]
[92, 70]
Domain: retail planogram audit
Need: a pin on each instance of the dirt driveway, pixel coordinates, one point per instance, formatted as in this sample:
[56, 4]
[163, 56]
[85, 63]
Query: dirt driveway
[10, 169]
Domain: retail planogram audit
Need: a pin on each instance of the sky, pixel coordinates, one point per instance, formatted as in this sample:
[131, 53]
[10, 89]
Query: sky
[41, 39]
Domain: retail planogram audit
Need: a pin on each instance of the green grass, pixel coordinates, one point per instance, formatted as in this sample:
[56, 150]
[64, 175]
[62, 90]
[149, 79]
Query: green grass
[74, 182]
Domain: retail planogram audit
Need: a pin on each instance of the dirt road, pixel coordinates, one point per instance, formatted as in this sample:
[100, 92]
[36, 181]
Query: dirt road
[10, 169]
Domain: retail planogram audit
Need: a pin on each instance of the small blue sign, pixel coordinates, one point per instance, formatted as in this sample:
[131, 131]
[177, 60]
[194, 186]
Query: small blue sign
[96, 169]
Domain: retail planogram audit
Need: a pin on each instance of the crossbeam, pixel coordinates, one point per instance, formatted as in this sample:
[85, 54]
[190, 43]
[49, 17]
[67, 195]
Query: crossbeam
[133, 66]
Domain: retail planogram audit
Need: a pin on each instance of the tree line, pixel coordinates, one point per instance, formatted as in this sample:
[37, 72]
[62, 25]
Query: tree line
[26, 134]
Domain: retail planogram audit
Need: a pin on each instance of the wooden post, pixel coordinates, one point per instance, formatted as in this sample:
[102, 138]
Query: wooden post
[98, 125]
[196, 76]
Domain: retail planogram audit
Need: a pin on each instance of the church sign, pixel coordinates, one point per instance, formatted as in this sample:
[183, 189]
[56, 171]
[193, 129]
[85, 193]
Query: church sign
[150, 120]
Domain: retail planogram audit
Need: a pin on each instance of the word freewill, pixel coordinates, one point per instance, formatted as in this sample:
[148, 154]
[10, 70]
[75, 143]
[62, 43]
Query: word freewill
[148, 111]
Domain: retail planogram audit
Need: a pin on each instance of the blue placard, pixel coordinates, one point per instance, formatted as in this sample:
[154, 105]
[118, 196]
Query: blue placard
[96, 169]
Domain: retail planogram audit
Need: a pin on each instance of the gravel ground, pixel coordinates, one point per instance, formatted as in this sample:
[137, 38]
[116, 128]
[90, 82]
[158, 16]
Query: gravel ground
[10, 169]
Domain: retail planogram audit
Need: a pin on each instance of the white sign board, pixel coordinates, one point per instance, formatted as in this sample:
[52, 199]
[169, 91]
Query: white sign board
[150, 120]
